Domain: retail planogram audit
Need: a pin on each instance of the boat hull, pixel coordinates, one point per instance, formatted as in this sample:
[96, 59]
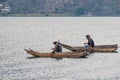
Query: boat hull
[57, 55]
[97, 48]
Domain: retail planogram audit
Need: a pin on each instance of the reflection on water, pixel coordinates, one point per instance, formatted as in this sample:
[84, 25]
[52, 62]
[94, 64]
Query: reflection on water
[18, 33]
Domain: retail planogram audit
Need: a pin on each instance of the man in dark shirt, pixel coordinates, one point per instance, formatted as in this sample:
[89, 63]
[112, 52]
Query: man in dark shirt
[57, 47]
[90, 43]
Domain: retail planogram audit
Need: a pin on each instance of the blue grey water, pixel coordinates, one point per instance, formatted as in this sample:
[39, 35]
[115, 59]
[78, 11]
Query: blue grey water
[38, 33]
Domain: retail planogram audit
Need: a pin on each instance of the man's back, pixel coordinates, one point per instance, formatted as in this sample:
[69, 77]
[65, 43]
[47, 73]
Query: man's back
[91, 43]
[58, 48]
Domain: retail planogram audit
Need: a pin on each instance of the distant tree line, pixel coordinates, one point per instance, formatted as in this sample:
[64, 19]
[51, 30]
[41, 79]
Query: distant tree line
[71, 7]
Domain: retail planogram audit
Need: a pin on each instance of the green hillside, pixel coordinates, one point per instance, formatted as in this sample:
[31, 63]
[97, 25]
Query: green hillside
[65, 7]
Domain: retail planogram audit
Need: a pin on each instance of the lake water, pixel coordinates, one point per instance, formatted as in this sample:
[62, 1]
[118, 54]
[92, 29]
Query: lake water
[38, 33]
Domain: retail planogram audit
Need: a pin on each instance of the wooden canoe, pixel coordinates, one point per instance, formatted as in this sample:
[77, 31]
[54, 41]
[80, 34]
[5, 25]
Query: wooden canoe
[56, 55]
[97, 48]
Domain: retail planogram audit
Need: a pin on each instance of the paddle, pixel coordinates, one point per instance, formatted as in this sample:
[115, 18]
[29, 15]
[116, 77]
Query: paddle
[73, 49]
[68, 47]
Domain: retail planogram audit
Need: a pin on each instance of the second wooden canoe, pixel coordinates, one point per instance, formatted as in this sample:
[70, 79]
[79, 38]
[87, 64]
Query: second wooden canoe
[97, 48]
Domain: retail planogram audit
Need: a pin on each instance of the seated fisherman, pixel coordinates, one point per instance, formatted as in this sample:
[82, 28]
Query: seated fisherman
[90, 43]
[57, 47]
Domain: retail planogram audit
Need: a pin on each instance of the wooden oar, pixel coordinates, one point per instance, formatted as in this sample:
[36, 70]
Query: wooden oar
[68, 47]
[73, 49]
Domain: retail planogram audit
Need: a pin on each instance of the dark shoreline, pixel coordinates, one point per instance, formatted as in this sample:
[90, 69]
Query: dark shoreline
[49, 15]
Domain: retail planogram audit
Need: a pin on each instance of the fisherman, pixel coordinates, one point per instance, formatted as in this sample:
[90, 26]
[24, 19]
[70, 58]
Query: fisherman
[57, 47]
[90, 43]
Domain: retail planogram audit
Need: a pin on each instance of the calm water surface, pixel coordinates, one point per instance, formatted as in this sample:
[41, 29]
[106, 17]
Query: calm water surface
[17, 33]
